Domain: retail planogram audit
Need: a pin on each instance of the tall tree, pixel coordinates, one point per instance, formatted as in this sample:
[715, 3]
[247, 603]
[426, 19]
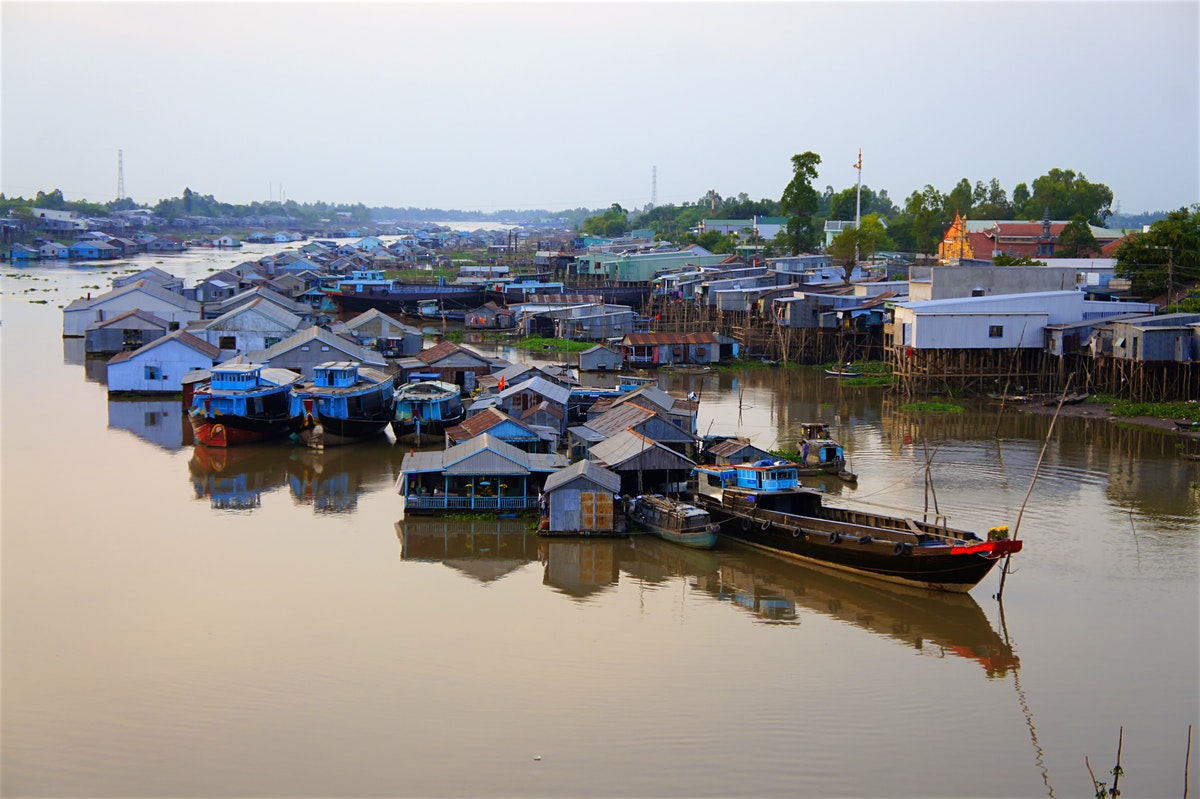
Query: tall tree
[800, 201]
[1165, 256]
[929, 219]
[1077, 240]
[1067, 194]
[959, 199]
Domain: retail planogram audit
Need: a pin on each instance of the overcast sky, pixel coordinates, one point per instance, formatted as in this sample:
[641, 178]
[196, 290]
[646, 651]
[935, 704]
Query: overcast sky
[561, 105]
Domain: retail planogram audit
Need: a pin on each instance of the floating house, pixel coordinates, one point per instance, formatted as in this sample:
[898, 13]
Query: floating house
[527, 437]
[455, 364]
[374, 329]
[127, 331]
[257, 325]
[581, 499]
[645, 466]
[656, 349]
[142, 295]
[600, 359]
[159, 366]
[482, 474]
[303, 351]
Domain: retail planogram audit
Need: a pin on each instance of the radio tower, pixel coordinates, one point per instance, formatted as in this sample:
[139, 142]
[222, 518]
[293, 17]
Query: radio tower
[653, 186]
[120, 174]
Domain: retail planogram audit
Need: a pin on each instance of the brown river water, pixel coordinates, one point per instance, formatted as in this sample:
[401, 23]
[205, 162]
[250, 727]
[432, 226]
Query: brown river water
[182, 623]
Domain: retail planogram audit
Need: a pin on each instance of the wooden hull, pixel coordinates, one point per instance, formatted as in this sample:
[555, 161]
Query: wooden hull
[883, 554]
[406, 300]
[331, 431]
[229, 431]
[704, 540]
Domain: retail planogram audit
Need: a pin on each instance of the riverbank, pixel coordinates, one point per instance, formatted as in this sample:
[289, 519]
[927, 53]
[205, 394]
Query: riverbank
[1103, 410]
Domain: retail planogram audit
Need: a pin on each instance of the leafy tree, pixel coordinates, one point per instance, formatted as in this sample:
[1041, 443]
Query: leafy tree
[1067, 194]
[1077, 240]
[990, 201]
[53, 201]
[1016, 260]
[861, 242]
[929, 219]
[613, 222]
[800, 201]
[844, 203]
[1168, 254]
[959, 199]
[1020, 197]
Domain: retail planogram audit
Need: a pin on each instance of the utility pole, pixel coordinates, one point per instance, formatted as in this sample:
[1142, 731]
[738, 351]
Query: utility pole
[120, 174]
[857, 207]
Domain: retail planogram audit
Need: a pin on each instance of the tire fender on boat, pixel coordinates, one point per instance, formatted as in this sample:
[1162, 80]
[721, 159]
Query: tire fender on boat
[901, 548]
[766, 523]
[746, 524]
[835, 538]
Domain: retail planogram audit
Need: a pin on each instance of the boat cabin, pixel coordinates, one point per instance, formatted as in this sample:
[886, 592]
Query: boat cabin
[335, 374]
[236, 377]
[769, 485]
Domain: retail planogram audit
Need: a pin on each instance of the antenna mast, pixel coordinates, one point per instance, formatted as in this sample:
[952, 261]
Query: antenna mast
[653, 186]
[120, 174]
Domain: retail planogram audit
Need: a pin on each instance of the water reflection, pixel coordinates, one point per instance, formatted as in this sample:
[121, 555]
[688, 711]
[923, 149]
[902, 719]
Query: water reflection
[484, 550]
[779, 591]
[160, 422]
[234, 478]
[772, 590]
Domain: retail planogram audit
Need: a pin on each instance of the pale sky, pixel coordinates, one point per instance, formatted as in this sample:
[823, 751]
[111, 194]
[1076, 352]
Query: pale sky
[486, 106]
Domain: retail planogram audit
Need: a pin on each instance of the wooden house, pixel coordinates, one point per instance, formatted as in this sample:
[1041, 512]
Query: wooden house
[481, 474]
[217, 309]
[537, 400]
[1170, 337]
[159, 367]
[600, 359]
[377, 330]
[127, 331]
[645, 466]
[734, 450]
[257, 325]
[23, 252]
[654, 349]
[642, 419]
[81, 313]
[490, 316]
[527, 437]
[455, 364]
[581, 499]
[165, 244]
[94, 250]
[53, 250]
[679, 412]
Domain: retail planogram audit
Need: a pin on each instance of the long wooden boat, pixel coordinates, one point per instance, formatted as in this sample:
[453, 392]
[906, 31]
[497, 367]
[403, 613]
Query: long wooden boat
[242, 403]
[369, 288]
[343, 402]
[677, 522]
[763, 504]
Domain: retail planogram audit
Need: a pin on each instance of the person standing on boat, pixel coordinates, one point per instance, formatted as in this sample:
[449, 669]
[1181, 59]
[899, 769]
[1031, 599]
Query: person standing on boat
[804, 452]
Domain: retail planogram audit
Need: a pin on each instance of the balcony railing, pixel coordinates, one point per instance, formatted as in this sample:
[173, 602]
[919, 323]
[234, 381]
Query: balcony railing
[445, 502]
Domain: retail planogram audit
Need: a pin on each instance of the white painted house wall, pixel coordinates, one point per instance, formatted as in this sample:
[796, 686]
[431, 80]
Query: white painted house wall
[972, 322]
[159, 369]
[77, 320]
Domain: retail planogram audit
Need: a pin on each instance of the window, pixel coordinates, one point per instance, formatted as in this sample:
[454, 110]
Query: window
[995, 331]
[227, 342]
[151, 372]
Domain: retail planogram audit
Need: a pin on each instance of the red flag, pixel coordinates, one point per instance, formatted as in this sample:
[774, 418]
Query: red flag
[501, 382]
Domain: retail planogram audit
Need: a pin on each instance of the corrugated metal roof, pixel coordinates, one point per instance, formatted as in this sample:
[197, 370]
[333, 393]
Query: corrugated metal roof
[628, 445]
[621, 417]
[185, 338]
[547, 389]
[485, 454]
[659, 339]
[586, 470]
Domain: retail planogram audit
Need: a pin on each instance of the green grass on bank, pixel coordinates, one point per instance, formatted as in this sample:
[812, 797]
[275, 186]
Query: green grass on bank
[932, 407]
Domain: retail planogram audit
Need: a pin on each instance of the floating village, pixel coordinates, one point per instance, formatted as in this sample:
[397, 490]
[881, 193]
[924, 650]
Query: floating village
[331, 342]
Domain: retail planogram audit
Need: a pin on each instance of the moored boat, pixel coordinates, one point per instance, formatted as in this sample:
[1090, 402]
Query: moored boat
[242, 403]
[677, 522]
[763, 504]
[820, 453]
[342, 402]
[369, 288]
[424, 409]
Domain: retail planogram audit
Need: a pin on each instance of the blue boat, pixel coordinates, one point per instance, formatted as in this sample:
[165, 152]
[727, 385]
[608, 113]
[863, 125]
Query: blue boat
[341, 403]
[242, 403]
[674, 521]
[424, 409]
